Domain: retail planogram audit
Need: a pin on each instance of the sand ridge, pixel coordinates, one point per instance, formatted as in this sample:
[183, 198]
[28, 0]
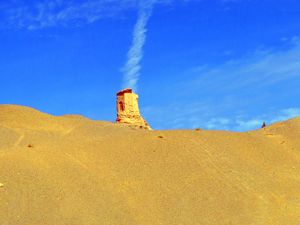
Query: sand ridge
[72, 170]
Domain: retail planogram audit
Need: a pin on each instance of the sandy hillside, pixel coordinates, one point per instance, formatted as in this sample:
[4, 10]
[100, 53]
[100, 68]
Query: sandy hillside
[70, 170]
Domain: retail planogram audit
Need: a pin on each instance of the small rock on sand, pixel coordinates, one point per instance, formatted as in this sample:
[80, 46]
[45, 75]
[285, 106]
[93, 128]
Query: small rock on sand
[1, 185]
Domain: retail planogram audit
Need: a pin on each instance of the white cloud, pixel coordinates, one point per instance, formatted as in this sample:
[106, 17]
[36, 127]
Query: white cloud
[255, 123]
[286, 114]
[36, 14]
[259, 69]
[132, 67]
[40, 14]
[201, 115]
[217, 123]
[243, 125]
[240, 94]
[238, 123]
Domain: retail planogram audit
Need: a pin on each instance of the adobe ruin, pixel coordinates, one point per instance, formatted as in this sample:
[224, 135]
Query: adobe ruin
[128, 109]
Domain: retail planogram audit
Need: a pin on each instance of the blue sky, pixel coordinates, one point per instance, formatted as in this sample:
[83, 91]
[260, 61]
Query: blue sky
[214, 64]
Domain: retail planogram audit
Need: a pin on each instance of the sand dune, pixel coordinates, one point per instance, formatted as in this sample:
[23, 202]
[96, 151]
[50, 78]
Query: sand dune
[75, 171]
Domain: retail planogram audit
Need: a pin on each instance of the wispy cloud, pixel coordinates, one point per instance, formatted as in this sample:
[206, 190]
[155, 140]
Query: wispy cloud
[238, 95]
[200, 115]
[41, 14]
[240, 124]
[261, 68]
[286, 114]
[135, 54]
[37, 14]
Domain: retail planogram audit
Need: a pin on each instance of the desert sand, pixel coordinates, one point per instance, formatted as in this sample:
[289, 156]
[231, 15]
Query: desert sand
[70, 170]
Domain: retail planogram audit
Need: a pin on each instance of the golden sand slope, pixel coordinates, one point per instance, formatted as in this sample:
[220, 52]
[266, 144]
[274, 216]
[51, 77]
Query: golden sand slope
[71, 170]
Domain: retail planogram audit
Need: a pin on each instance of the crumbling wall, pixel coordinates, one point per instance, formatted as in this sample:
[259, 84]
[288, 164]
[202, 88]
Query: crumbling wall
[128, 109]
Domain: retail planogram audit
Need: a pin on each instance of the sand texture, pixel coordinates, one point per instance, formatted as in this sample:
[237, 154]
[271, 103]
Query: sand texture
[70, 170]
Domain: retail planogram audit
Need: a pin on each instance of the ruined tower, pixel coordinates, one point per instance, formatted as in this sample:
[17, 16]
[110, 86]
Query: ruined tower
[128, 109]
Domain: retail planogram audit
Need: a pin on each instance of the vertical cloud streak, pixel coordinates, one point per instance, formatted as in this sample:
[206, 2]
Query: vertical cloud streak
[132, 67]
